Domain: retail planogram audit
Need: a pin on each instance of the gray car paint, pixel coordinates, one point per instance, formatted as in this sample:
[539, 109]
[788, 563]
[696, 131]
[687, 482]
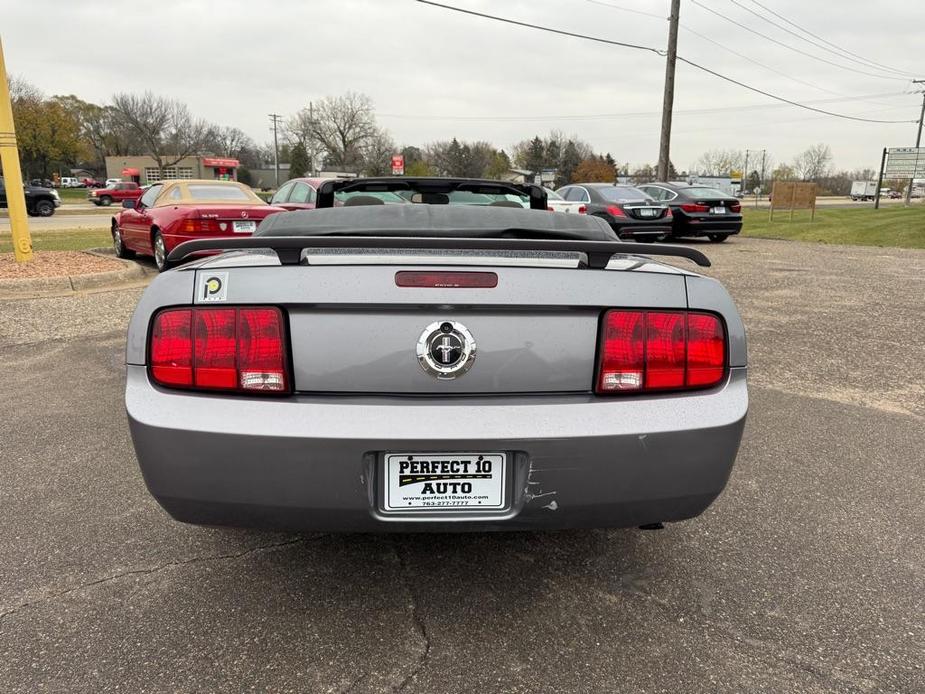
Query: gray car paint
[311, 460]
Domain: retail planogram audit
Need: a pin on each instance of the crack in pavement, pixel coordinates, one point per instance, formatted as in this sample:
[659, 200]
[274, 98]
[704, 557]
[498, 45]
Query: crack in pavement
[419, 624]
[136, 572]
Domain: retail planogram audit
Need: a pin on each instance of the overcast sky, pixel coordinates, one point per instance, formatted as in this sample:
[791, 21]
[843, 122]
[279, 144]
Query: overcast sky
[435, 74]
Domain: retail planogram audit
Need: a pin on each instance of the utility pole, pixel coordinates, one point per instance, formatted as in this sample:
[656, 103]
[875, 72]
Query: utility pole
[311, 139]
[764, 154]
[918, 143]
[743, 176]
[12, 174]
[276, 119]
[668, 102]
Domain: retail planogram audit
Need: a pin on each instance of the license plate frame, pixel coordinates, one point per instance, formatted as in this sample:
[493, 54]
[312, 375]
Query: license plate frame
[244, 226]
[719, 209]
[405, 489]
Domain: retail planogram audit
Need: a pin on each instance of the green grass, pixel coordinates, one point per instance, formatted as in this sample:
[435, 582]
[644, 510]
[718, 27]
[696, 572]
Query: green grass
[61, 240]
[72, 194]
[902, 227]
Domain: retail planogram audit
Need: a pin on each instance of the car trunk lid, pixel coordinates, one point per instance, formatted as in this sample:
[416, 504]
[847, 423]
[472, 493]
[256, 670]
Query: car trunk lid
[534, 330]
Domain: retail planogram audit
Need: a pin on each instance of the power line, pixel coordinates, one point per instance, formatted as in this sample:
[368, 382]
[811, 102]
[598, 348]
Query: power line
[816, 36]
[657, 52]
[640, 114]
[628, 9]
[549, 29]
[704, 37]
[811, 43]
[795, 50]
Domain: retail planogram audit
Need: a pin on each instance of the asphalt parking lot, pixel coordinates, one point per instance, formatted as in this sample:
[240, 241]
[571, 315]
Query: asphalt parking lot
[807, 575]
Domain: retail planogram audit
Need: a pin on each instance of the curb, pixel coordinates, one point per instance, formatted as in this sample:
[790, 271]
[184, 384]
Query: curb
[36, 287]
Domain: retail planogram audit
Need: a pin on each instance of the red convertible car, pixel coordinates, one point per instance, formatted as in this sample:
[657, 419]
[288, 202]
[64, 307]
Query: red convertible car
[171, 212]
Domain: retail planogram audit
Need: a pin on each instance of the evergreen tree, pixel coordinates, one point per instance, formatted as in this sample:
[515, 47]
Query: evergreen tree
[299, 165]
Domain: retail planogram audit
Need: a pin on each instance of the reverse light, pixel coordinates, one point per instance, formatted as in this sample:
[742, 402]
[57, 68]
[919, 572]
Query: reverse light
[660, 350]
[232, 349]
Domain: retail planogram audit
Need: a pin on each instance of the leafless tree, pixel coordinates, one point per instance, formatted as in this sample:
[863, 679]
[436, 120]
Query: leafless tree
[21, 90]
[719, 162]
[377, 153]
[166, 129]
[228, 141]
[814, 163]
[342, 126]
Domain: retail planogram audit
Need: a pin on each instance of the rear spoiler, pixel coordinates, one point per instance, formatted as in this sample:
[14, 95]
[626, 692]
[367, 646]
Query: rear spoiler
[427, 184]
[289, 248]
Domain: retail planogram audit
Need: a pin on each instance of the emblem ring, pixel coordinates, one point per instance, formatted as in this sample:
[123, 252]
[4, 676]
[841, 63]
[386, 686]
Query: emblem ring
[446, 349]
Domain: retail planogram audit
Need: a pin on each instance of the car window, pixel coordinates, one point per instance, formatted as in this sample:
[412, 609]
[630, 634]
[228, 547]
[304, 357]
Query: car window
[696, 192]
[206, 191]
[151, 195]
[622, 193]
[301, 193]
[581, 195]
[282, 195]
[175, 194]
[552, 195]
[572, 194]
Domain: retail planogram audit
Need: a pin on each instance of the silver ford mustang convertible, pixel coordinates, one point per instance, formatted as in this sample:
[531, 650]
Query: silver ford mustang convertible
[425, 365]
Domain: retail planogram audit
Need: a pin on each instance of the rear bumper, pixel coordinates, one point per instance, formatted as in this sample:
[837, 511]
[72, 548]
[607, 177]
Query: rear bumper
[702, 227]
[639, 229]
[312, 462]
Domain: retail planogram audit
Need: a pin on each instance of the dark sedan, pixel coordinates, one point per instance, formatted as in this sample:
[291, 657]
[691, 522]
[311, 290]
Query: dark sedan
[630, 212]
[698, 210]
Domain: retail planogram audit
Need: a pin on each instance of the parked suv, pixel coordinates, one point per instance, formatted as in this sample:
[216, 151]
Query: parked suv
[40, 202]
[116, 192]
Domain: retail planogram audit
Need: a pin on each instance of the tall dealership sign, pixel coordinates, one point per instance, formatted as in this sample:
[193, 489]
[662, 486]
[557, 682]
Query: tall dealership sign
[900, 163]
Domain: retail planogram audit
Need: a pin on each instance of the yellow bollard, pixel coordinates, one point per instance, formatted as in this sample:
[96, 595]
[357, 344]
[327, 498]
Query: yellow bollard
[12, 175]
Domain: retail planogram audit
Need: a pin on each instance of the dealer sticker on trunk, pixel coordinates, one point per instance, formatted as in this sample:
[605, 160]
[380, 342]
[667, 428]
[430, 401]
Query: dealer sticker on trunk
[444, 481]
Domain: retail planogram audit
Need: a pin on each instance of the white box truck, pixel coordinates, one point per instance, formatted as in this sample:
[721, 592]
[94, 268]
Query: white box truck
[863, 190]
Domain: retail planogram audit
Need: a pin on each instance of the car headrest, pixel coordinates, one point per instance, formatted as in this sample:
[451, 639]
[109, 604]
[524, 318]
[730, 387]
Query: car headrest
[363, 200]
[428, 198]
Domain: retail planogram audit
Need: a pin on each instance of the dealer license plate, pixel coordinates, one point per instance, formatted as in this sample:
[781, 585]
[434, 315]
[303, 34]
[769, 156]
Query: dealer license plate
[248, 226]
[444, 481]
[718, 210]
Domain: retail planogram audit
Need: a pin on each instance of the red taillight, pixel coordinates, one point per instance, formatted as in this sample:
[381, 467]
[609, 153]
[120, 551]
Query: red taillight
[695, 207]
[203, 226]
[735, 207]
[660, 350]
[616, 211]
[451, 280]
[668, 214]
[172, 348]
[582, 209]
[242, 349]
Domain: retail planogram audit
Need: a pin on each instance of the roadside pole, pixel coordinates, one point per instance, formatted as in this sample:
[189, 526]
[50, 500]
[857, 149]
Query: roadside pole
[918, 142]
[12, 175]
[664, 148]
[880, 180]
[276, 118]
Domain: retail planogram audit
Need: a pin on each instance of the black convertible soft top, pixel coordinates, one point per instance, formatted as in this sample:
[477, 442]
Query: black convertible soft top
[437, 221]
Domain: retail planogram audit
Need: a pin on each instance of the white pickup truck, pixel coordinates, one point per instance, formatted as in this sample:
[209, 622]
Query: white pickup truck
[556, 203]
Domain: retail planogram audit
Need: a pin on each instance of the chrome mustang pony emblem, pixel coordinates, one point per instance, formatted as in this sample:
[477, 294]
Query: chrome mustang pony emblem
[446, 349]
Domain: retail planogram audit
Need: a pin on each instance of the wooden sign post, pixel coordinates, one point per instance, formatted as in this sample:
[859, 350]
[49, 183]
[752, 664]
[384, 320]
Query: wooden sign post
[793, 196]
